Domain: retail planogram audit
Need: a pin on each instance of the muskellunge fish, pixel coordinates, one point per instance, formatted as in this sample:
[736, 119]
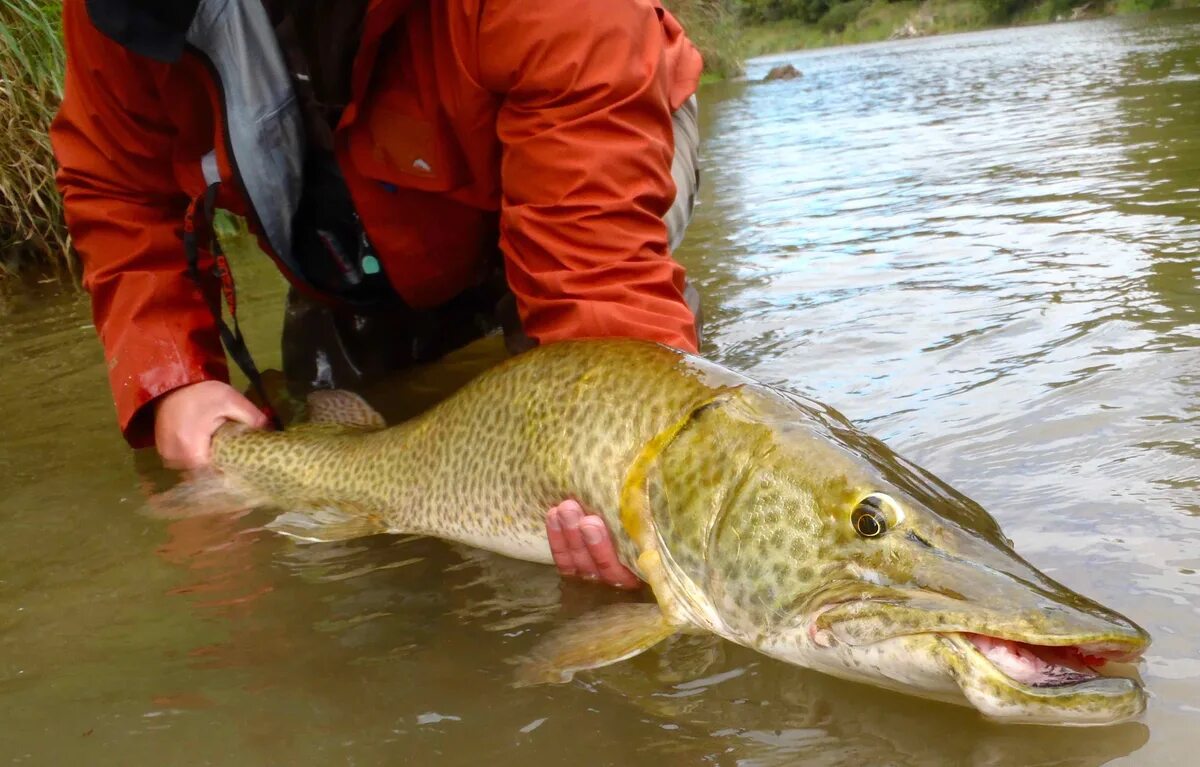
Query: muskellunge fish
[754, 514]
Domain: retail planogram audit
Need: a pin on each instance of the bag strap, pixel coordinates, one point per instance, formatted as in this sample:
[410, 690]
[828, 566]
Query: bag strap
[203, 206]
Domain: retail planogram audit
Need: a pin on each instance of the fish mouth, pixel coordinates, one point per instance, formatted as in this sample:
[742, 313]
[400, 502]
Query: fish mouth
[1089, 683]
[1075, 676]
[1048, 667]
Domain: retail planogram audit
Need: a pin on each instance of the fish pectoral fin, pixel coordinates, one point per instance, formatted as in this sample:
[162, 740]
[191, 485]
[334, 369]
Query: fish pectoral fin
[611, 634]
[324, 524]
[344, 408]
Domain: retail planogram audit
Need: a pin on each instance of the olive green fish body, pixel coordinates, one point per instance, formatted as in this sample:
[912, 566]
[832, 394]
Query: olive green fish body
[760, 516]
[484, 467]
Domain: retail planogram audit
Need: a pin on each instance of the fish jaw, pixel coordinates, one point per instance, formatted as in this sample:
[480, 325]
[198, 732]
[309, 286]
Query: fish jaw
[903, 664]
[1004, 680]
[1020, 647]
[1017, 683]
[1009, 675]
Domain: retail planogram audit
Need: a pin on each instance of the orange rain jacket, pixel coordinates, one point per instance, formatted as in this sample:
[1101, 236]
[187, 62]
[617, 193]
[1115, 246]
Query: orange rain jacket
[556, 115]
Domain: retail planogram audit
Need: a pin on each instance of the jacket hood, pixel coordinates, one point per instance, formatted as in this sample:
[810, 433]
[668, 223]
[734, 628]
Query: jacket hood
[150, 28]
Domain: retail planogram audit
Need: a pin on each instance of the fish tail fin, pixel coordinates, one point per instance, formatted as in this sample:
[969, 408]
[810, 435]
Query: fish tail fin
[208, 493]
[202, 492]
[343, 408]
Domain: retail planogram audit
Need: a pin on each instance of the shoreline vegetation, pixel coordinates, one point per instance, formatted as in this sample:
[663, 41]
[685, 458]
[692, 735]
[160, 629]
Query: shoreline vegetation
[33, 240]
[778, 26]
[34, 246]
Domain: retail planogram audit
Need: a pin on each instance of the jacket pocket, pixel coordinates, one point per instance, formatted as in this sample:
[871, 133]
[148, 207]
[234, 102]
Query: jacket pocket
[394, 143]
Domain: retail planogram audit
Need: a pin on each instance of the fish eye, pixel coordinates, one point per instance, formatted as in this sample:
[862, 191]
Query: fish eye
[869, 518]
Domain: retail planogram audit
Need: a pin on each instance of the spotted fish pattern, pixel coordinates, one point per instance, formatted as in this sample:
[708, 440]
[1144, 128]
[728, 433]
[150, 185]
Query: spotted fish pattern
[755, 514]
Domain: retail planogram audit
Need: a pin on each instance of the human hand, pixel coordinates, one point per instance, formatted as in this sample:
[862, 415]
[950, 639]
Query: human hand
[583, 548]
[186, 418]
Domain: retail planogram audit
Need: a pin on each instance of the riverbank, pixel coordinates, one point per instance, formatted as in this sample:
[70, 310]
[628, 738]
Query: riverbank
[868, 21]
[33, 240]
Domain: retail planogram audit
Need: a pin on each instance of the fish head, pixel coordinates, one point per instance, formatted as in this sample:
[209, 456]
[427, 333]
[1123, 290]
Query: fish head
[910, 598]
[830, 551]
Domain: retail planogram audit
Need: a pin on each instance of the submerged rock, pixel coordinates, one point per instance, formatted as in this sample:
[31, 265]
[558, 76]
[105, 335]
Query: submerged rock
[782, 72]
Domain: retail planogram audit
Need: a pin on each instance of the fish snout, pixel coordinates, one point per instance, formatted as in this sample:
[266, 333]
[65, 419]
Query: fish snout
[883, 613]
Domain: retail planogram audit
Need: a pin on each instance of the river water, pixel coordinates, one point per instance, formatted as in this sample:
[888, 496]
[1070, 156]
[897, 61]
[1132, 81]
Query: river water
[983, 248]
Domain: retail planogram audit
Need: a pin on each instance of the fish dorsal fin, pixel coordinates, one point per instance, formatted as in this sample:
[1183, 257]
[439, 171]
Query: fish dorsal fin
[344, 408]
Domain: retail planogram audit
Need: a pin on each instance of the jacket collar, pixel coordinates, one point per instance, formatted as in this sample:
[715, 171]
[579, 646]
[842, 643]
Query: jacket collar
[150, 28]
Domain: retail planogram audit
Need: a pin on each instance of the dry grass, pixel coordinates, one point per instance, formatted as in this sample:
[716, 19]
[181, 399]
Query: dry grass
[32, 236]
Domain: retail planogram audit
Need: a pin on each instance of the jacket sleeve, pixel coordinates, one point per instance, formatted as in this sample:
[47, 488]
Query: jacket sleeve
[585, 127]
[124, 210]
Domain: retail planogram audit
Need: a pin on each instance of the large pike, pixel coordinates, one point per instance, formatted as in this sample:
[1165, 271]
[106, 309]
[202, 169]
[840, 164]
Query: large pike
[754, 514]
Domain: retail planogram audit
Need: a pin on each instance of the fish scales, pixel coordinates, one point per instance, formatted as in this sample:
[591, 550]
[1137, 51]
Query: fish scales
[483, 467]
[753, 513]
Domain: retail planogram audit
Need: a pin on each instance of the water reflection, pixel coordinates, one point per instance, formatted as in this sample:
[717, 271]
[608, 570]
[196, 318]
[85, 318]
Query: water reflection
[770, 716]
[413, 621]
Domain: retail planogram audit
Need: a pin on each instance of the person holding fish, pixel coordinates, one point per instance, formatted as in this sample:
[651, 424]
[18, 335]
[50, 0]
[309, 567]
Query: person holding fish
[423, 173]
